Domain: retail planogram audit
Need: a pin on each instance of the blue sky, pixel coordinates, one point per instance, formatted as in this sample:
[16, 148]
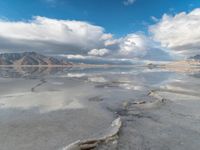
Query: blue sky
[113, 15]
[120, 29]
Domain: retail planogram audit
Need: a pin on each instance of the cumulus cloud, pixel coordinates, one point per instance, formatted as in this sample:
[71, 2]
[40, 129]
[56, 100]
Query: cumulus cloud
[47, 34]
[74, 56]
[134, 45]
[99, 52]
[99, 60]
[141, 47]
[179, 33]
[129, 2]
[78, 39]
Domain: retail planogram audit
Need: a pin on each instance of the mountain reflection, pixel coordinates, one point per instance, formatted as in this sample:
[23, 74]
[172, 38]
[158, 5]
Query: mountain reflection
[29, 72]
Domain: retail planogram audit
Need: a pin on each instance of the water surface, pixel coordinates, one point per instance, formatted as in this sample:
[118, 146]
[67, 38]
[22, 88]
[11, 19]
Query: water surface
[49, 108]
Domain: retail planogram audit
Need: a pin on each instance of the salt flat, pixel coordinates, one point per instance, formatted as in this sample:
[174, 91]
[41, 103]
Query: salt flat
[51, 109]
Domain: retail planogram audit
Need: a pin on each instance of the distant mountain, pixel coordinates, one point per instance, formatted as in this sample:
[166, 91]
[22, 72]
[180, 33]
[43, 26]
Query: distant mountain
[30, 58]
[196, 57]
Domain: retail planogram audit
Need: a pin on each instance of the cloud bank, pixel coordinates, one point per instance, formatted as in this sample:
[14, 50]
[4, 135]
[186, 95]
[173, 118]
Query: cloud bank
[180, 33]
[54, 36]
[86, 40]
[46, 34]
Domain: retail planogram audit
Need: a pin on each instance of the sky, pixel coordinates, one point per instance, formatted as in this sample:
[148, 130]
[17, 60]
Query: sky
[104, 29]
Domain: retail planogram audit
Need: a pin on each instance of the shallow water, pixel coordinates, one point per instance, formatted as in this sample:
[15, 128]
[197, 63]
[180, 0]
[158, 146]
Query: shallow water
[50, 108]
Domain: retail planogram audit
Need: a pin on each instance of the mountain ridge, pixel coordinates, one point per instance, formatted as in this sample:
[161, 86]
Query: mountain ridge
[30, 58]
[196, 57]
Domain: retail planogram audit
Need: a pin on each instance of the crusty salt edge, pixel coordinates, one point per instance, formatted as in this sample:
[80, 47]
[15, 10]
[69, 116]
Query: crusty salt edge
[159, 100]
[92, 143]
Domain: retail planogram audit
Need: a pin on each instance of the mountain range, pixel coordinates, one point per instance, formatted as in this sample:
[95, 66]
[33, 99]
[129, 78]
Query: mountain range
[30, 58]
[196, 57]
[36, 59]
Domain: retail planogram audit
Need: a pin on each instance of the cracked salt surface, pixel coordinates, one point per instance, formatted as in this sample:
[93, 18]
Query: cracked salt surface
[157, 110]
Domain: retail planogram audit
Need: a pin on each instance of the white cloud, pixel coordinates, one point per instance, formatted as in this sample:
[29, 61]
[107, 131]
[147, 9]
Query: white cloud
[99, 52]
[134, 45]
[129, 2]
[179, 33]
[74, 39]
[74, 56]
[141, 47]
[154, 19]
[43, 33]
[99, 60]
[111, 42]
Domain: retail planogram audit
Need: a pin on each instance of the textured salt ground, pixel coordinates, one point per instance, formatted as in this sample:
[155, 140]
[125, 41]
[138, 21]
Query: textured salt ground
[148, 122]
[33, 119]
[108, 135]
[26, 130]
[172, 125]
[167, 119]
[47, 118]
